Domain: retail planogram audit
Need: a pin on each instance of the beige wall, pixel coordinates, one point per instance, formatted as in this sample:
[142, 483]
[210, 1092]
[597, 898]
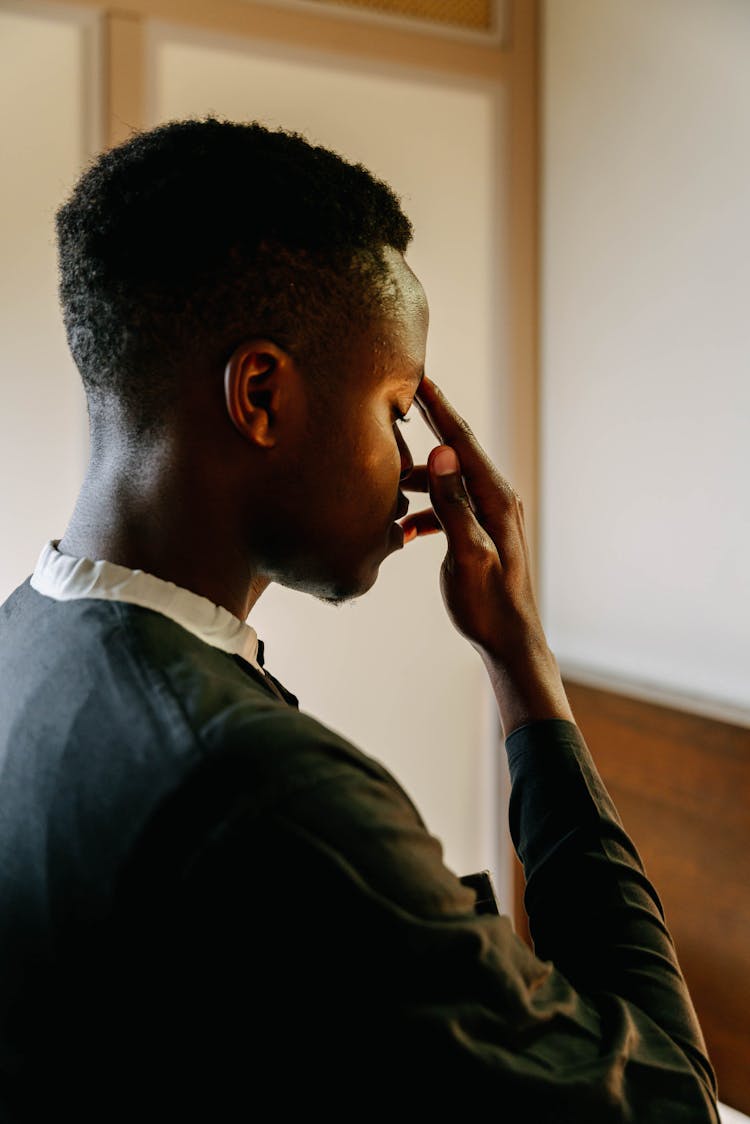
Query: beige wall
[48, 90]
[418, 698]
[646, 346]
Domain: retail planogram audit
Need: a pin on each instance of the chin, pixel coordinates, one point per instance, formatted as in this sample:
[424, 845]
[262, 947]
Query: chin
[335, 580]
[348, 587]
[348, 591]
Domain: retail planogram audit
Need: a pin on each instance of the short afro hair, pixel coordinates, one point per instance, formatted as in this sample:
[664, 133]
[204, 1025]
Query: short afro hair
[191, 236]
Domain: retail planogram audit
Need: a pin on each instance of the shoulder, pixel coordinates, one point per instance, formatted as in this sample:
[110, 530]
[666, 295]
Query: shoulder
[283, 801]
[157, 692]
[278, 795]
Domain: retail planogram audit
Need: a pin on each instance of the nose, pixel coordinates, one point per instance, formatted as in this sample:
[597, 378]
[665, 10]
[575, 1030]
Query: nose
[407, 464]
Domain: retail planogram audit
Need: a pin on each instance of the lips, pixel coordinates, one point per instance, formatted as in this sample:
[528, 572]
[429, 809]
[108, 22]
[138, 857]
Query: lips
[403, 507]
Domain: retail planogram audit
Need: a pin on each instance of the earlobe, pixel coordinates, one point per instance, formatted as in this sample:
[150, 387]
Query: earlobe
[251, 389]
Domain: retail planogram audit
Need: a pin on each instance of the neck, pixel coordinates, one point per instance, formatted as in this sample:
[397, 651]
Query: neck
[145, 517]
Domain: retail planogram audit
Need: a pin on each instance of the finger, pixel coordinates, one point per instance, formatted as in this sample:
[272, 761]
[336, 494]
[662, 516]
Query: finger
[418, 480]
[451, 504]
[451, 429]
[481, 477]
[423, 411]
[492, 497]
[419, 524]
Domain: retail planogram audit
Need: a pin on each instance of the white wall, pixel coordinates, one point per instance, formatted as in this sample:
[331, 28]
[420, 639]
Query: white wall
[388, 671]
[48, 125]
[646, 343]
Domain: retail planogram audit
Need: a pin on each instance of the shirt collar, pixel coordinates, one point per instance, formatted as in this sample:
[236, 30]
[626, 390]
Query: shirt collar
[65, 578]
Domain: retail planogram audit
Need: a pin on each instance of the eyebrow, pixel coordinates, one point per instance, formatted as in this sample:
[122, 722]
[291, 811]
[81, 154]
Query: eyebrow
[419, 377]
[408, 383]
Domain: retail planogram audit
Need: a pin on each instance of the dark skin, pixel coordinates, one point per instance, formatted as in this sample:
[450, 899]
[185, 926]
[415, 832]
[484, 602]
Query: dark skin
[485, 578]
[254, 480]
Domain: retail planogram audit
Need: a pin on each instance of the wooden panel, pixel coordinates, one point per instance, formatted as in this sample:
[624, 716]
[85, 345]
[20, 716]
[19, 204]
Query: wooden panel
[477, 15]
[323, 31]
[124, 76]
[681, 784]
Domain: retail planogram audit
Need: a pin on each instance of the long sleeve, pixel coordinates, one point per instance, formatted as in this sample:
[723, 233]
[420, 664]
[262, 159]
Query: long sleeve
[324, 917]
[592, 910]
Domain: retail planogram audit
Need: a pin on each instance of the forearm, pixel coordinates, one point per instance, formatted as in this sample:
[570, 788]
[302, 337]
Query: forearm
[592, 911]
[531, 689]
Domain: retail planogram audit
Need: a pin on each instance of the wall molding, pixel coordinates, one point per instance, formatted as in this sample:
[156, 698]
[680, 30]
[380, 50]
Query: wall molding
[688, 703]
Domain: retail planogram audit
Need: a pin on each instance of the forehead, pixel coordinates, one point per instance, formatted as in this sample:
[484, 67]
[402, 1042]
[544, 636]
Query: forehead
[411, 298]
[405, 324]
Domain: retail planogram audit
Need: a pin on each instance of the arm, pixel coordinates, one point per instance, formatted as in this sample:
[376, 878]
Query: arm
[329, 913]
[592, 910]
[591, 907]
[315, 908]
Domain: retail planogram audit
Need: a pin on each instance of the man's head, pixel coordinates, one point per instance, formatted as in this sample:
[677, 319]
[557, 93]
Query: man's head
[239, 297]
[178, 244]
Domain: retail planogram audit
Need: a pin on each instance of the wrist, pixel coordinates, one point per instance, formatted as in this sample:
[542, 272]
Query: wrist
[530, 689]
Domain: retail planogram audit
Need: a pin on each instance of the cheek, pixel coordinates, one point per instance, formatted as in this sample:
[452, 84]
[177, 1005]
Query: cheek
[374, 478]
[390, 473]
[387, 458]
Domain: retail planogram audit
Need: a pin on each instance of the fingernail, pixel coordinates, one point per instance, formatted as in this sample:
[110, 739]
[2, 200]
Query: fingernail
[445, 462]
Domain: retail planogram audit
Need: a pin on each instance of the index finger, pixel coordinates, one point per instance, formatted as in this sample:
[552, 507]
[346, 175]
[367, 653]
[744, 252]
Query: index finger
[451, 429]
[491, 495]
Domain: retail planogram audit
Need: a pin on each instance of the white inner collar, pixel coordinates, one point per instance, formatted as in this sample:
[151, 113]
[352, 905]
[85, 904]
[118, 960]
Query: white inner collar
[66, 578]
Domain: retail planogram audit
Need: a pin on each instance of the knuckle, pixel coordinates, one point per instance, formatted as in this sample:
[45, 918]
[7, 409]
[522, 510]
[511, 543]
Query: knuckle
[455, 499]
[479, 547]
[506, 496]
[464, 428]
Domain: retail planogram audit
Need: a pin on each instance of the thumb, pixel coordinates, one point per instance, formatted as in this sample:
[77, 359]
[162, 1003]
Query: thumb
[450, 501]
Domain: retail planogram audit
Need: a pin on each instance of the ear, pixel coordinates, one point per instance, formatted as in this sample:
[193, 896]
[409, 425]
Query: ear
[254, 383]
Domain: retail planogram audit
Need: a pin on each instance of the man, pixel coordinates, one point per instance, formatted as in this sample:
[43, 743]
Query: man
[213, 907]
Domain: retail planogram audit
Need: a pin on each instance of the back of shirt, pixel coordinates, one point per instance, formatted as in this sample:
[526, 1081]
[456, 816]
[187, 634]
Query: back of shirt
[210, 902]
[107, 711]
[175, 841]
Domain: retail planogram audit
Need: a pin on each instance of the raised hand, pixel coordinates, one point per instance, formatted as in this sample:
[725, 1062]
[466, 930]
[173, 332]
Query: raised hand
[485, 578]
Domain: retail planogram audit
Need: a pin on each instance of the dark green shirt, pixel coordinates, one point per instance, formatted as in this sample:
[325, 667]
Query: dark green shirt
[210, 902]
